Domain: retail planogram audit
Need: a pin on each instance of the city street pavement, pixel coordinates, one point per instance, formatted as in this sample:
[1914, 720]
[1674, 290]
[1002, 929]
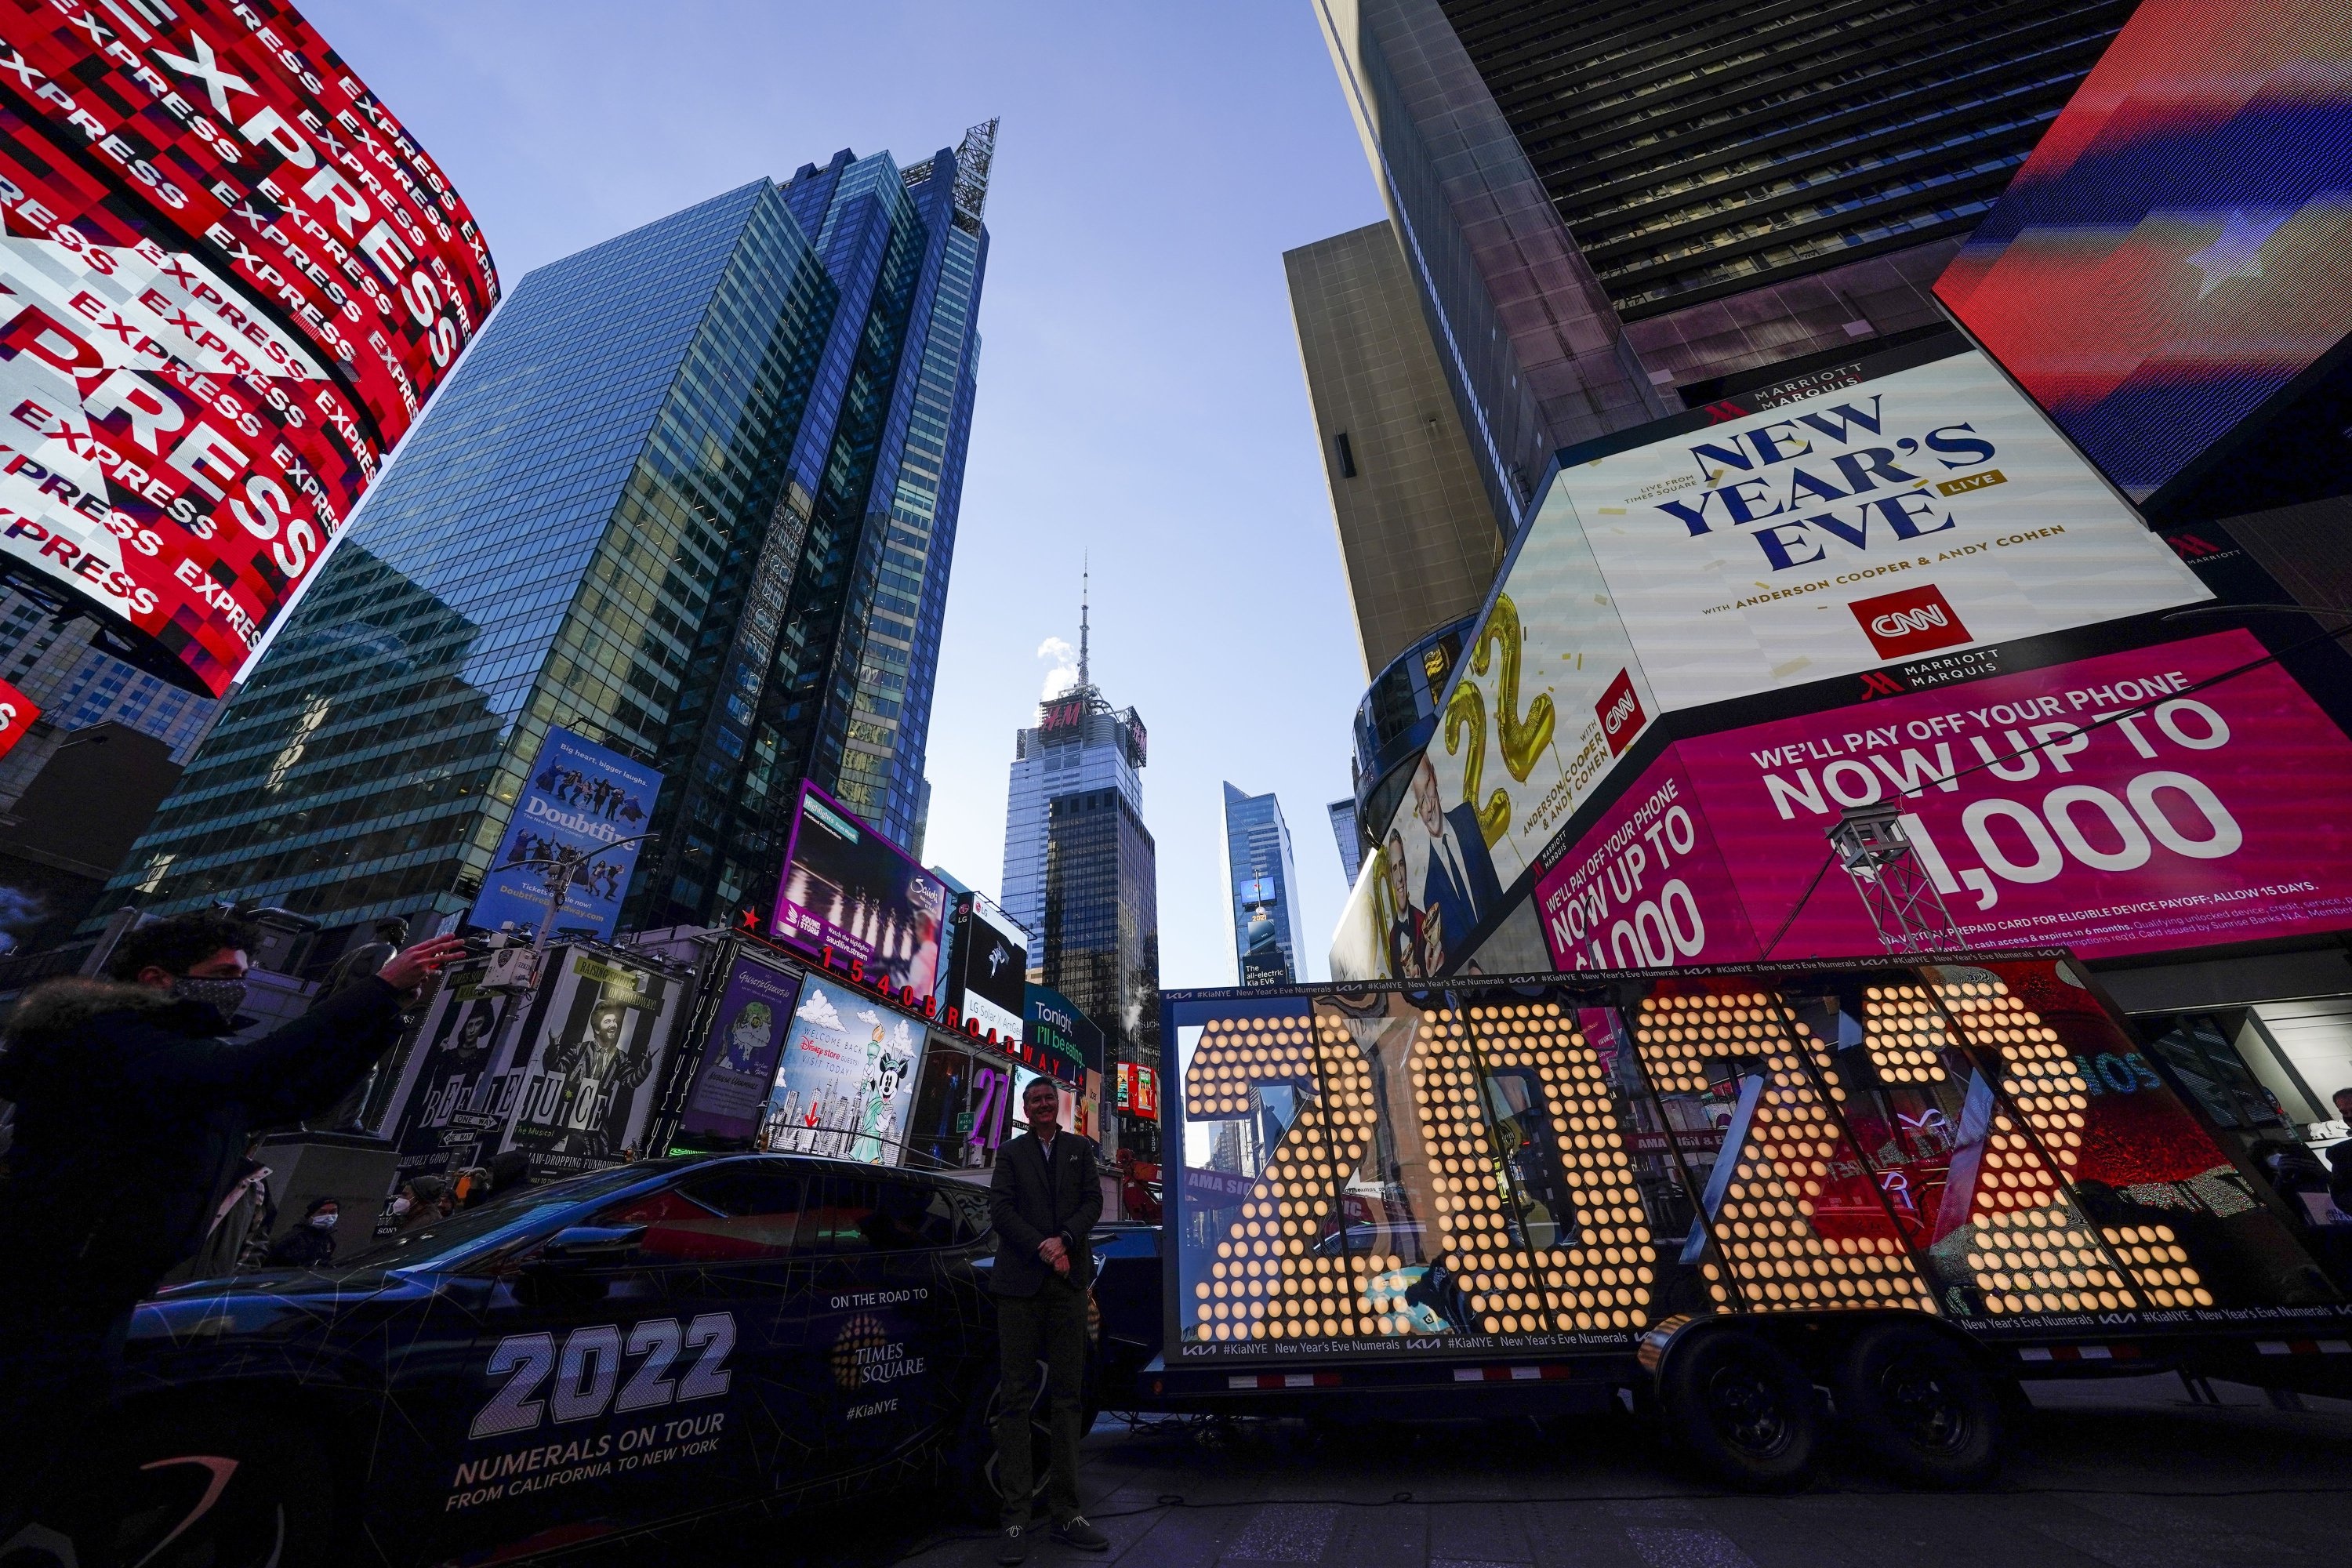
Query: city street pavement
[2130, 1473]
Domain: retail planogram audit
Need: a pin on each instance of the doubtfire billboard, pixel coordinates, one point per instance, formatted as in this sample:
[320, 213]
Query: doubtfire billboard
[1911, 504]
[228, 280]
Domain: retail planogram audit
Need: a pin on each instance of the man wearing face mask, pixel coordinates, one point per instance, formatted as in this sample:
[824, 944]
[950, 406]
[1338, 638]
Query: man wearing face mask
[133, 1108]
[310, 1244]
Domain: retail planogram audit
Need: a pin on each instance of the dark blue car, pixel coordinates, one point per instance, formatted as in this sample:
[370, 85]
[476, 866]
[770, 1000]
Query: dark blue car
[621, 1350]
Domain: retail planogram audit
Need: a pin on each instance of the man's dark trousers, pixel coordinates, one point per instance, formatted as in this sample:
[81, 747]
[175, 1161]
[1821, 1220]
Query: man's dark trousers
[1041, 1312]
[1048, 1328]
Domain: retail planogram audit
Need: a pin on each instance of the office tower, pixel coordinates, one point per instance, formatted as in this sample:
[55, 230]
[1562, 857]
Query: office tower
[1418, 539]
[1269, 940]
[66, 670]
[1100, 937]
[1080, 745]
[1081, 871]
[692, 494]
[1343, 832]
[1609, 207]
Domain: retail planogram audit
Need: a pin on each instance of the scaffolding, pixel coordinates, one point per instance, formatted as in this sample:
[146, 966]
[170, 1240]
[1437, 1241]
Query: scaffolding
[1874, 845]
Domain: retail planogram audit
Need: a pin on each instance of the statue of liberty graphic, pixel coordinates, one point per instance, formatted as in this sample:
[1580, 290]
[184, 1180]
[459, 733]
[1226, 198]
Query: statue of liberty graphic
[887, 1065]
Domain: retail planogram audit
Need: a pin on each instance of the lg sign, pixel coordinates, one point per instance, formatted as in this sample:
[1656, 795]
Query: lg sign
[1913, 621]
[1619, 710]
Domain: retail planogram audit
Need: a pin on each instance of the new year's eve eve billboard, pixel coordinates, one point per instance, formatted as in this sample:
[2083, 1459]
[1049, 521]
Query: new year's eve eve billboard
[1909, 503]
[1907, 509]
[2112, 805]
[231, 279]
[2171, 257]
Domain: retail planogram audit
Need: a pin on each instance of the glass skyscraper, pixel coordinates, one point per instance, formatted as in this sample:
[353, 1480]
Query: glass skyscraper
[1101, 936]
[1269, 940]
[692, 493]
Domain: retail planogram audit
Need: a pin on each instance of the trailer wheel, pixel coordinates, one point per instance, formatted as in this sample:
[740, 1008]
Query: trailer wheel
[1742, 1407]
[1920, 1406]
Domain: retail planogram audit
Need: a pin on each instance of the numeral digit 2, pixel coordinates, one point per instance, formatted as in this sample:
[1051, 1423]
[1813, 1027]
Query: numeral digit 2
[588, 1370]
[526, 1359]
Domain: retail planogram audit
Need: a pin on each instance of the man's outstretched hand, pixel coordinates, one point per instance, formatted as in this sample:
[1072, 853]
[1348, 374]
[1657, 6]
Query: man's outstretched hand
[408, 969]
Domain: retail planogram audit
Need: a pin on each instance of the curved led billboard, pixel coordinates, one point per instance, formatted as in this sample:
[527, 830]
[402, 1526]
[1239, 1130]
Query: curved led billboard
[2169, 260]
[228, 281]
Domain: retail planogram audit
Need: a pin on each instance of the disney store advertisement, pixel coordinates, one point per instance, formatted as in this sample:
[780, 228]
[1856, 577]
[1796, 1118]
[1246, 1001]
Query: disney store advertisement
[847, 1079]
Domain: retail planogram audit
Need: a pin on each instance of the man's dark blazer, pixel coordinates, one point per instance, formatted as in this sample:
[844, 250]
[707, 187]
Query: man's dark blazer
[1030, 1202]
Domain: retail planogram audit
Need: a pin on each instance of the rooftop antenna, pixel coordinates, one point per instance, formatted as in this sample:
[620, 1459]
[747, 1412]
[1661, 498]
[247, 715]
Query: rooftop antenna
[1086, 575]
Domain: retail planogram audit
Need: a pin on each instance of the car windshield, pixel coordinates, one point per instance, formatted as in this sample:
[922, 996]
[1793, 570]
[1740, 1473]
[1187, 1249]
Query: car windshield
[469, 1233]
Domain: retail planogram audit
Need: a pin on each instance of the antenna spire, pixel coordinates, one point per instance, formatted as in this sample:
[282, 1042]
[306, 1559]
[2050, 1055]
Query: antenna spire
[1085, 577]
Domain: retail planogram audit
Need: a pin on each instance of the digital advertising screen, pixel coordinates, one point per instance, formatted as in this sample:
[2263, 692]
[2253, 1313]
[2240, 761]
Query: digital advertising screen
[848, 888]
[847, 1079]
[1069, 1042]
[582, 797]
[1915, 509]
[17, 712]
[232, 278]
[992, 963]
[2170, 259]
[740, 1056]
[1495, 1170]
[2112, 805]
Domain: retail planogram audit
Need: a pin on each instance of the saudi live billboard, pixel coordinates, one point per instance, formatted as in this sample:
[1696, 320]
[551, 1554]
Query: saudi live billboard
[2166, 273]
[1910, 503]
[2116, 805]
[231, 279]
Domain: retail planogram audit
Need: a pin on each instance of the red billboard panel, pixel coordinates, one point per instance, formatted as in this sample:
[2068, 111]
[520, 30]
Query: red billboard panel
[228, 281]
[2114, 805]
[17, 712]
[2170, 259]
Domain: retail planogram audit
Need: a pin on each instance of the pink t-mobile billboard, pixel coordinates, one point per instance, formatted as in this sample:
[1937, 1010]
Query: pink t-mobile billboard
[2112, 805]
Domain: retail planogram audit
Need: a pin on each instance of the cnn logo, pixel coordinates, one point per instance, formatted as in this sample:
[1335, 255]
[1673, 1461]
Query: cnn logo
[1910, 622]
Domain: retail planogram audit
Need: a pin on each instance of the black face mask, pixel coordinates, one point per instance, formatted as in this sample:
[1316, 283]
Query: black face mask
[223, 996]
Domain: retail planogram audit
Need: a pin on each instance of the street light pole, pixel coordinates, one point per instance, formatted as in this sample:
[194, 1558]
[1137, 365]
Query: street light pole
[559, 873]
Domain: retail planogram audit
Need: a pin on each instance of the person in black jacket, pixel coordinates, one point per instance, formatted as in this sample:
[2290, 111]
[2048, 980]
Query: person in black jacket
[1045, 1196]
[310, 1244]
[134, 1110]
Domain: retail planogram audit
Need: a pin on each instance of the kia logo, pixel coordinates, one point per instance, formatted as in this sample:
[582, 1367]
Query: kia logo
[1902, 623]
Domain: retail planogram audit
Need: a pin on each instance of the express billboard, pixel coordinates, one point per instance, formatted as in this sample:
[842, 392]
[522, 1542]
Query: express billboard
[2116, 805]
[848, 889]
[233, 281]
[582, 797]
[2169, 262]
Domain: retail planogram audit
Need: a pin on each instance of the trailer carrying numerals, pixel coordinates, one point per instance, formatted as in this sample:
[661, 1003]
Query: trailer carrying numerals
[1717, 1189]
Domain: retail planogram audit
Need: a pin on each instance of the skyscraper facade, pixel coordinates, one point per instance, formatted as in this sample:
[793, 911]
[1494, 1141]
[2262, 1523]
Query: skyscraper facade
[1343, 833]
[1078, 745]
[1610, 207]
[1269, 939]
[1081, 869]
[692, 494]
[1417, 539]
[1100, 939]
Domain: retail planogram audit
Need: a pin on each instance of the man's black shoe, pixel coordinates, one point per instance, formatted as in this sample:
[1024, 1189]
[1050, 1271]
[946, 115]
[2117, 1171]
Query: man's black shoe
[1013, 1545]
[1076, 1532]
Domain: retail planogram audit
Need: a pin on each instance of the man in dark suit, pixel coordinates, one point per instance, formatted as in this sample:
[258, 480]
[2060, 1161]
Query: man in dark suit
[1045, 1197]
[1460, 882]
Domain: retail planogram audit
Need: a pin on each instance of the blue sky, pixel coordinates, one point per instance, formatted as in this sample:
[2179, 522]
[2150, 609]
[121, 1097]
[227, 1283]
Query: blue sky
[1140, 398]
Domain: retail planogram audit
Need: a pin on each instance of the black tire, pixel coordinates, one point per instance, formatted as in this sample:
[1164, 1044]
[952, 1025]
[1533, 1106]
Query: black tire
[204, 1489]
[1920, 1406]
[1742, 1408]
